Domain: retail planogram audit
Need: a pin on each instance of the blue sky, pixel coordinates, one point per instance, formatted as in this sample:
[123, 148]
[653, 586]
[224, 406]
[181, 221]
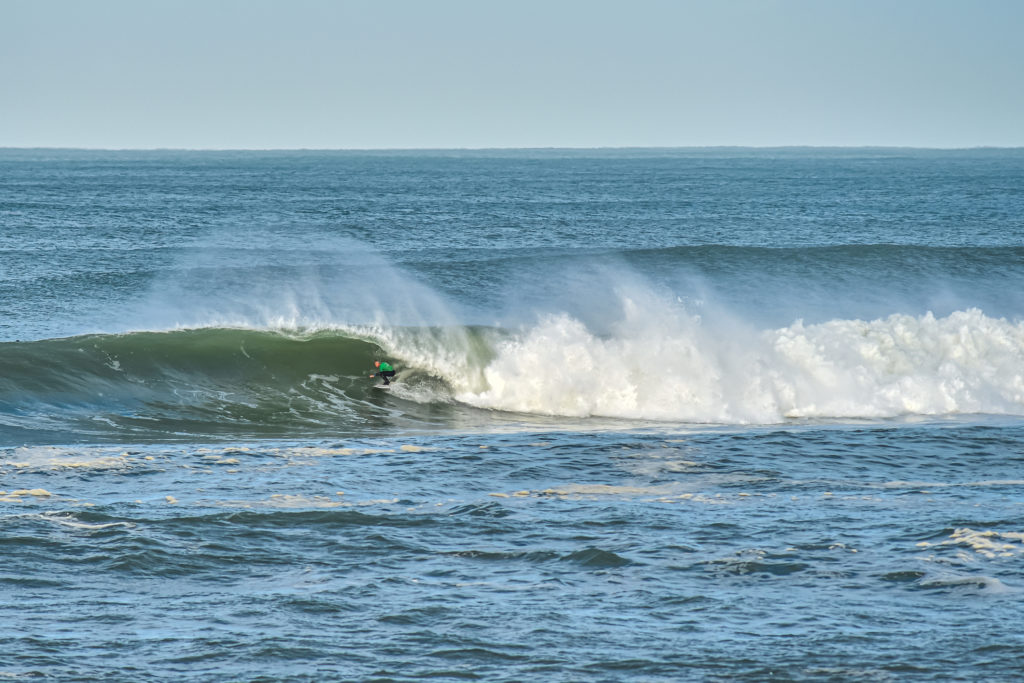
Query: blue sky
[524, 73]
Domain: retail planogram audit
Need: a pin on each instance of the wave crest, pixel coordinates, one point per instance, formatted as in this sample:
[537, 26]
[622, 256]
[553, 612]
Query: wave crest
[657, 363]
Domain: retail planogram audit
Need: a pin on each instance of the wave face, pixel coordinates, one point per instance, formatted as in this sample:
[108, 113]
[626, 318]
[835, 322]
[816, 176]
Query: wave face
[188, 382]
[657, 363]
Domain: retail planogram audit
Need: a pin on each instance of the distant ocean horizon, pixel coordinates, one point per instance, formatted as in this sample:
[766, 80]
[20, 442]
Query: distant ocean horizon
[540, 148]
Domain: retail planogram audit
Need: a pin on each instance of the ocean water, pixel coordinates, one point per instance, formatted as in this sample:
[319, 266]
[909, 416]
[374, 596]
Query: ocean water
[720, 414]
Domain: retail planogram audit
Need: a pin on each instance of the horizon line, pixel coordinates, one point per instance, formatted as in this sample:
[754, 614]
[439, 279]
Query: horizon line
[508, 148]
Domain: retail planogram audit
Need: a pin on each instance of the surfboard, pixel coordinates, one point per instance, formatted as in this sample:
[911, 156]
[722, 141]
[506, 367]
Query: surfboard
[381, 386]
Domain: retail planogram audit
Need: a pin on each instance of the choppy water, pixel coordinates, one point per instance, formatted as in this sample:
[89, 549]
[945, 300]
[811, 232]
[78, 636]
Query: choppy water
[661, 415]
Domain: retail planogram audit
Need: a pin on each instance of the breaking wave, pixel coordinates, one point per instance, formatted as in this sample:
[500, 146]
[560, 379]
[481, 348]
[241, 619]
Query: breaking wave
[676, 368]
[658, 363]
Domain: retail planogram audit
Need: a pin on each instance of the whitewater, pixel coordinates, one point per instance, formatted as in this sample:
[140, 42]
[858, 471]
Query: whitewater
[712, 414]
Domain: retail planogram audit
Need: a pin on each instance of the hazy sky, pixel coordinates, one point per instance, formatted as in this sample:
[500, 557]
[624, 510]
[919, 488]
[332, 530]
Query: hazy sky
[513, 73]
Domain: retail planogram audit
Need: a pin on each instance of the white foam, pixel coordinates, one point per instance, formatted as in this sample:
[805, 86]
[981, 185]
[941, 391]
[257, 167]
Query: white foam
[65, 457]
[661, 363]
[988, 543]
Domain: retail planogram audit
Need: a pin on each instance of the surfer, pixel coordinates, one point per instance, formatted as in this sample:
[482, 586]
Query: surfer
[384, 369]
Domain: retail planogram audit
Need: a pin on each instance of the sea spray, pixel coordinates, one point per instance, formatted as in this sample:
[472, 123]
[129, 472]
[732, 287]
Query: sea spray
[316, 281]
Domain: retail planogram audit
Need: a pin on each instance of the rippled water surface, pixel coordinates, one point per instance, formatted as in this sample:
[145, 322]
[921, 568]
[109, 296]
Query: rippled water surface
[868, 552]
